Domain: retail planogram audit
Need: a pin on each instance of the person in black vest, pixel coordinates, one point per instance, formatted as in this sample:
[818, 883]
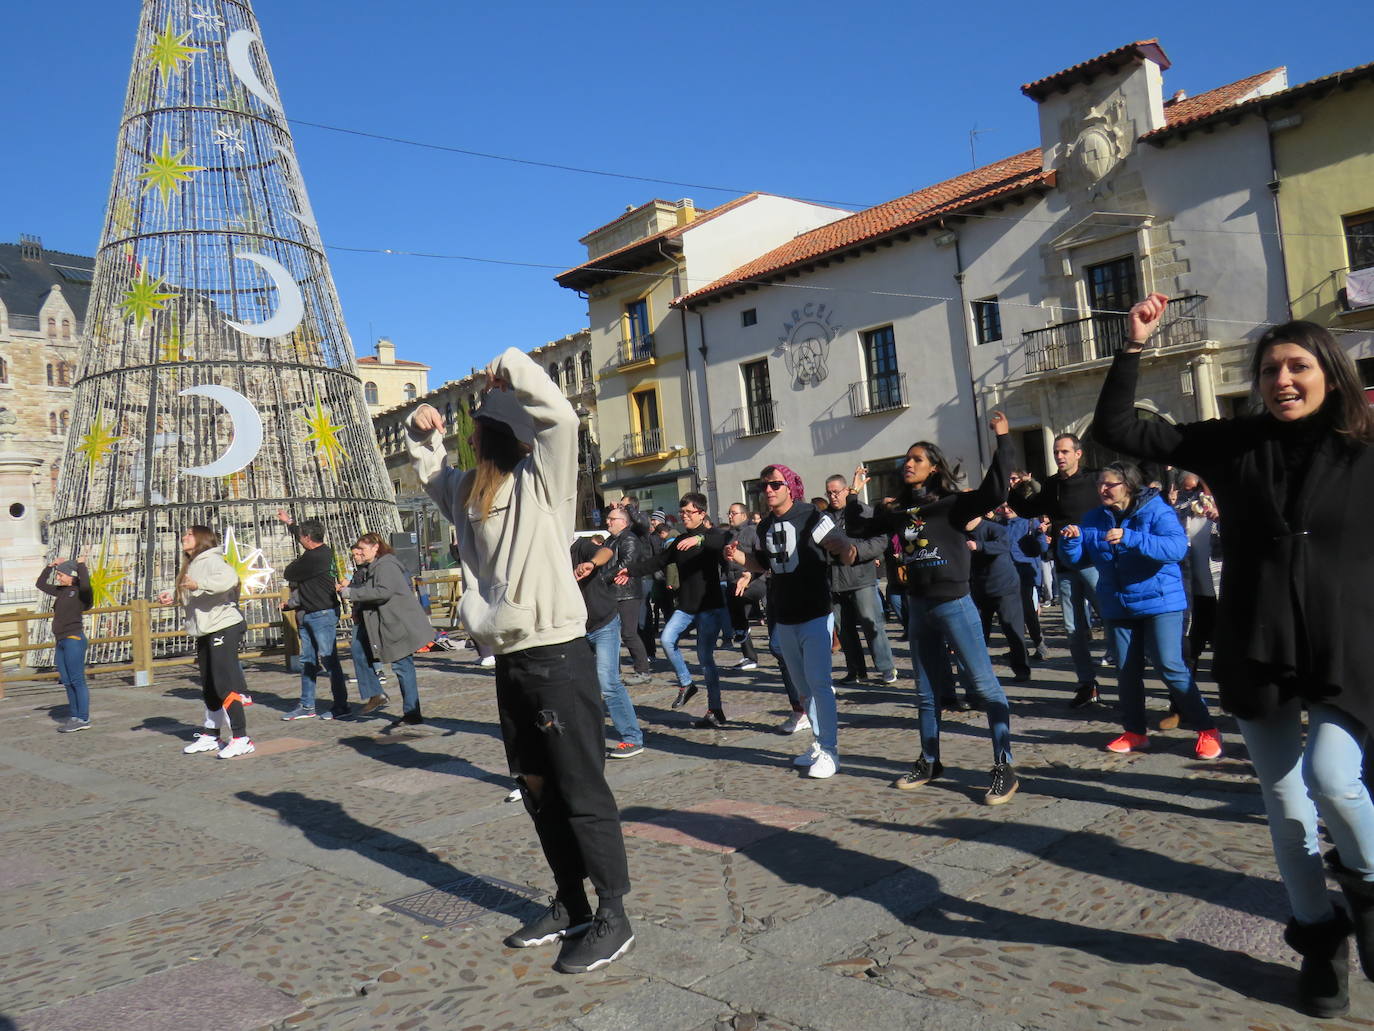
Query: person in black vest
[996, 590]
[854, 597]
[71, 596]
[312, 577]
[1294, 485]
[627, 545]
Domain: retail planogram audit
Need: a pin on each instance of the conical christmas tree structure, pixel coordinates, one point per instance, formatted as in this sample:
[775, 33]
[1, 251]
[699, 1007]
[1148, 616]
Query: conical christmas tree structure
[217, 380]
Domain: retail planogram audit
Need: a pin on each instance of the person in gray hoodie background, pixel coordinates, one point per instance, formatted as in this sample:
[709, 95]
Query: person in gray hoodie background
[514, 517]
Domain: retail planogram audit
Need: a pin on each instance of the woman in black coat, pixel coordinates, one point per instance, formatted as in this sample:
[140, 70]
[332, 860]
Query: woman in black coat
[1295, 619]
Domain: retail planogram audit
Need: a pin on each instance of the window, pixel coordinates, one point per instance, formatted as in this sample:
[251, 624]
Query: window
[66, 329]
[648, 435]
[64, 374]
[50, 374]
[637, 328]
[472, 403]
[52, 475]
[754, 500]
[880, 366]
[1359, 240]
[448, 414]
[409, 391]
[758, 397]
[586, 362]
[987, 320]
[885, 477]
[370, 393]
[52, 327]
[64, 419]
[4, 371]
[1111, 288]
[52, 423]
[749, 317]
[553, 373]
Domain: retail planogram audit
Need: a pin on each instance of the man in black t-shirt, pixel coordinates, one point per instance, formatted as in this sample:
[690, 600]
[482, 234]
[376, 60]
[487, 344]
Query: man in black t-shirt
[312, 577]
[790, 549]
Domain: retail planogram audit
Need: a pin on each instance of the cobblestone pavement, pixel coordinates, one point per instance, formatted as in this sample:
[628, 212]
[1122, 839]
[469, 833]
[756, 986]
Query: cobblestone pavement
[143, 887]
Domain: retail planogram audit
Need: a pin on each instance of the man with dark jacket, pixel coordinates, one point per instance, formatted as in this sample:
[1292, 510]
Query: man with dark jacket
[854, 594]
[312, 578]
[745, 592]
[1065, 498]
[627, 546]
[996, 590]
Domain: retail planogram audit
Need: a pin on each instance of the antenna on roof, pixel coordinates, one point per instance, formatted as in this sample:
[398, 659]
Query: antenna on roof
[973, 135]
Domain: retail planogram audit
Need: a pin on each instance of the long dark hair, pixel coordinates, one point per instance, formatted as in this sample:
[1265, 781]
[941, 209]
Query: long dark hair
[206, 539]
[944, 480]
[1349, 411]
[498, 453]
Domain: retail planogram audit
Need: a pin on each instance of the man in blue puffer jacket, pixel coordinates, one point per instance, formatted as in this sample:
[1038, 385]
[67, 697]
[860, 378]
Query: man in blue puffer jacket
[1135, 542]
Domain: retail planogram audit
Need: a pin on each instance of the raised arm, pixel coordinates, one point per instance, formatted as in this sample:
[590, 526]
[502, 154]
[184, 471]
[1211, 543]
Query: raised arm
[555, 423]
[993, 490]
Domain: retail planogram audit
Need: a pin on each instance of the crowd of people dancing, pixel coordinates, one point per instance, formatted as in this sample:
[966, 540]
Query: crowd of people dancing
[1244, 534]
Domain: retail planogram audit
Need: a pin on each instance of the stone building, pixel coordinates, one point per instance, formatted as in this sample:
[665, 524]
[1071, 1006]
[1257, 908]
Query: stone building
[43, 296]
[389, 381]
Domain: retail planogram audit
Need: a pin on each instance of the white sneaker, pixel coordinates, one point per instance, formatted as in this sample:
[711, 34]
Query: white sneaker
[810, 756]
[824, 766]
[488, 662]
[202, 743]
[514, 796]
[798, 721]
[237, 747]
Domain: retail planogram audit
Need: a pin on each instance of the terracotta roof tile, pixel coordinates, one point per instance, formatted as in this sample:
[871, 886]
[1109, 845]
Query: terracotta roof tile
[1192, 109]
[1086, 69]
[371, 359]
[971, 188]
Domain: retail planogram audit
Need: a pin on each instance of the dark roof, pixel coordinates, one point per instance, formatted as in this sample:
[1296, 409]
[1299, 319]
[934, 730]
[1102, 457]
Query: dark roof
[25, 283]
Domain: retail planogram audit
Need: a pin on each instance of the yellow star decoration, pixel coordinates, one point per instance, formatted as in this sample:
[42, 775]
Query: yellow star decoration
[167, 171]
[173, 347]
[97, 441]
[235, 482]
[123, 218]
[169, 50]
[248, 562]
[143, 298]
[106, 575]
[324, 434]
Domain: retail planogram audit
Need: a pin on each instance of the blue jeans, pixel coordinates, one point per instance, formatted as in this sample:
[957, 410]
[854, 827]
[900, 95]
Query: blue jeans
[605, 643]
[1300, 783]
[1161, 636]
[71, 670]
[1077, 599]
[712, 624]
[862, 610]
[364, 659]
[805, 648]
[320, 650]
[935, 627]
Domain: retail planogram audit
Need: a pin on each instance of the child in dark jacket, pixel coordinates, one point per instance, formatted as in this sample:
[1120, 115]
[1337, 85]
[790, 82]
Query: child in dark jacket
[71, 594]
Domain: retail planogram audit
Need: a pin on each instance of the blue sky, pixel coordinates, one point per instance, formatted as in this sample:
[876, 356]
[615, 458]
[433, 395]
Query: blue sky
[856, 103]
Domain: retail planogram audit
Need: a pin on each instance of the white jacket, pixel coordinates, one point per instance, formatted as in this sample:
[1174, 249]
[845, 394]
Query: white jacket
[213, 605]
[519, 589]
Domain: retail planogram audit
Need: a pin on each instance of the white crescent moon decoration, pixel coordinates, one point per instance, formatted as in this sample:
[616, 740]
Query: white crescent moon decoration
[305, 217]
[247, 439]
[238, 49]
[290, 310]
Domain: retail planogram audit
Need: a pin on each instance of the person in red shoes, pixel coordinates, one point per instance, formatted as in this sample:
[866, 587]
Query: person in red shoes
[1136, 543]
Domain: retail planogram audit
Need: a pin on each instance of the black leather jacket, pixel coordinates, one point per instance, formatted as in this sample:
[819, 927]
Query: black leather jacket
[626, 547]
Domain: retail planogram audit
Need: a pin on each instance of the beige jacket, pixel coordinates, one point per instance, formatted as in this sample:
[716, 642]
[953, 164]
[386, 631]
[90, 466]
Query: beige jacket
[519, 588]
[213, 605]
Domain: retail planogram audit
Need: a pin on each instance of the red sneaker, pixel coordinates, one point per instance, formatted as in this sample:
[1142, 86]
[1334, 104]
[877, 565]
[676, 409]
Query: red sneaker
[1208, 744]
[1129, 742]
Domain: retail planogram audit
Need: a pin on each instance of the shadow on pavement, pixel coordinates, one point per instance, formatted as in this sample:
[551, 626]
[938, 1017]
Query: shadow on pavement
[407, 757]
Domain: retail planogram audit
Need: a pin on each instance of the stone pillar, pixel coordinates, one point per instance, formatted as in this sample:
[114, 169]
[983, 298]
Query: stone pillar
[21, 544]
[1205, 388]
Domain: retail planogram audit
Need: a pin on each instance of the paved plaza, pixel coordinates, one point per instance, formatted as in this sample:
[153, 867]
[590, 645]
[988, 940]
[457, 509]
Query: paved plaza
[351, 875]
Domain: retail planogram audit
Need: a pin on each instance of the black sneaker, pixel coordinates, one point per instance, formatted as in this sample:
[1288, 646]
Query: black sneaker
[850, 678]
[1003, 786]
[684, 695]
[922, 772]
[1085, 695]
[608, 939]
[412, 717]
[554, 923]
[954, 705]
[713, 720]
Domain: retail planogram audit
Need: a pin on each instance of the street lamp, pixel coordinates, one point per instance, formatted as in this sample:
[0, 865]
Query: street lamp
[584, 447]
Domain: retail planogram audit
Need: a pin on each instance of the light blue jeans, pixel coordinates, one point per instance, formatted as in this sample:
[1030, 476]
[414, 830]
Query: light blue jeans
[605, 643]
[1300, 783]
[712, 625]
[805, 648]
[1077, 600]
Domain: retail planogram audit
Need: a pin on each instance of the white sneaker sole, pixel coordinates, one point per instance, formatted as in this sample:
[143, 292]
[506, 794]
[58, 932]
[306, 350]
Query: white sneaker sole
[548, 939]
[600, 962]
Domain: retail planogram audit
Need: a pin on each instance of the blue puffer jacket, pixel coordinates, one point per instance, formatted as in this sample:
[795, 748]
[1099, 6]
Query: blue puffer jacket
[1139, 576]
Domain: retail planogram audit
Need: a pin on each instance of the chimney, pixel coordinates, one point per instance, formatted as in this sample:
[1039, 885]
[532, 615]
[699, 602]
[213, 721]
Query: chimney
[1179, 95]
[686, 211]
[386, 351]
[30, 247]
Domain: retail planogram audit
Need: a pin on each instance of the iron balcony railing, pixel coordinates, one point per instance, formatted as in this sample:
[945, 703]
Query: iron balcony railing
[757, 419]
[638, 349]
[647, 442]
[1101, 336]
[881, 393]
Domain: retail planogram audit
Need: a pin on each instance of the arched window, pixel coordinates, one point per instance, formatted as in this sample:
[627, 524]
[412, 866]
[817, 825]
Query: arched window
[50, 375]
[52, 473]
[4, 371]
[448, 414]
[370, 393]
[569, 377]
[64, 374]
[587, 366]
[64, 420]
[409, 391]
[52, 423]
[66, 329]
[52, 327]
[553, 372]
[472, 403]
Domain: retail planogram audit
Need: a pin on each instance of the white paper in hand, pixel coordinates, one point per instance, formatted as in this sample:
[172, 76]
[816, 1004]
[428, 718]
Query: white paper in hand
[823, 528]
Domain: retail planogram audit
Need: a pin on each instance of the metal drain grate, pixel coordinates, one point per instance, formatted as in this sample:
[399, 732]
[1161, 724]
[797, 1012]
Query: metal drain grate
[463, 903]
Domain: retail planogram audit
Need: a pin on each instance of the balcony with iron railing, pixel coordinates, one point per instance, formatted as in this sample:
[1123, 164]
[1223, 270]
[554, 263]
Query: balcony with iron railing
[579, 386]
[645, 444]
[758, 419]
[1099, 336]
[635, 351]
[882, 393]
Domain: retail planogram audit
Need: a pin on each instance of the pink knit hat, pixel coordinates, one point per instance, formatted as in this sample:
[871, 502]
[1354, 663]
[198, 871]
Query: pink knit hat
[793, 481]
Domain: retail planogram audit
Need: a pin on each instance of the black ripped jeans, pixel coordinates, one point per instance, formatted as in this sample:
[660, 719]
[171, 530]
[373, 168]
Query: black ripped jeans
[551, 719]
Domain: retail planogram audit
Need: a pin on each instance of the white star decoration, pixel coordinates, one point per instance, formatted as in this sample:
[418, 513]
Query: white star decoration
[230, 139]
[250, 564]
[206, 19]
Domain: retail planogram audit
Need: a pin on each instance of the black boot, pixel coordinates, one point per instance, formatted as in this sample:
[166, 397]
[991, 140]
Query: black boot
[1359, 893]
[1324, 981]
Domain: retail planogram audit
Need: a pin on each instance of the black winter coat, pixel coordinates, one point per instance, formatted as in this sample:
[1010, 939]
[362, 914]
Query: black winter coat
[626, 547]
[1296, 613]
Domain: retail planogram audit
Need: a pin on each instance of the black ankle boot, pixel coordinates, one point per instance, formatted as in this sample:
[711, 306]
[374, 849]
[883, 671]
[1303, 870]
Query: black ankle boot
[1359, 894]
[1324, 981]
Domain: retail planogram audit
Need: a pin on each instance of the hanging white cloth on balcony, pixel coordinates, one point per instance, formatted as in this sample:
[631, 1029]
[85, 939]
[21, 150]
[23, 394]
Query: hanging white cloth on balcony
[1359, 287]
